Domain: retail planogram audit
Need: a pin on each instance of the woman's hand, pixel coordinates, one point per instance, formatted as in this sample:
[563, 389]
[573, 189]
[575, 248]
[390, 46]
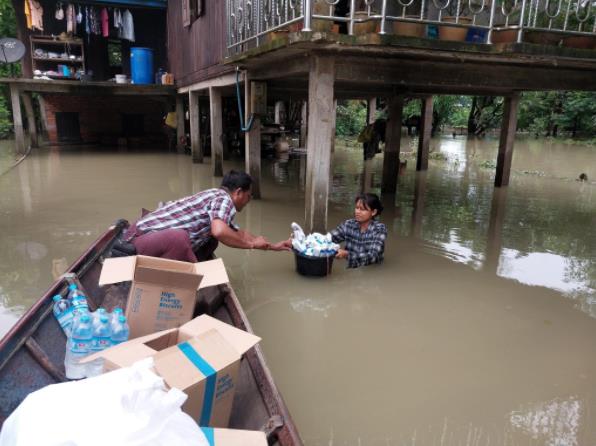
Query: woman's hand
[342, 254]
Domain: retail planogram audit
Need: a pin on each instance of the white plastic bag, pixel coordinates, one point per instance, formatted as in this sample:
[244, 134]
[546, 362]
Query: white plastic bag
[129, 406]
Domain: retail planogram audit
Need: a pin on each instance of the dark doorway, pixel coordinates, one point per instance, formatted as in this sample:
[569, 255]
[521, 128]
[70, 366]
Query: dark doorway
[68, 127]
[133, 124]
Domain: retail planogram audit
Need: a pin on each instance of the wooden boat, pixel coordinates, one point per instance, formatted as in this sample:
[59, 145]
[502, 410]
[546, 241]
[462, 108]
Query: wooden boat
[32, 352]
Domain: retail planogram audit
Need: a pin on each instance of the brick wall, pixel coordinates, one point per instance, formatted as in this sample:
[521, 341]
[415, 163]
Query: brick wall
[100, 117]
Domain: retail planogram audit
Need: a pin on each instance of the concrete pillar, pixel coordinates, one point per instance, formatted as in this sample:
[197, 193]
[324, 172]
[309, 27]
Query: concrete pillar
[392, 145]
[303, 124]
[17, 119]
[194, 109]
[426, 125]
[333, 125]
[180, 124]
[508, 127]
[367, 173]
[252, 140]
[32, 126]
[418, 205]
[216, 131]
[320, 126]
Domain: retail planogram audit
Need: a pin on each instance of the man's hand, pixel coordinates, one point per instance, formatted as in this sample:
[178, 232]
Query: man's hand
[342, 254]
[284, 245]
[260, 242]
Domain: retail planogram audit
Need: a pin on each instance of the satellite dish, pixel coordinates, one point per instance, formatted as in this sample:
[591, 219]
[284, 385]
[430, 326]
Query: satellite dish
[11, 50]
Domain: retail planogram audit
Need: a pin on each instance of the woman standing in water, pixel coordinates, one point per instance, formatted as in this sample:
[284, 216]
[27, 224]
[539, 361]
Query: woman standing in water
[363, 235]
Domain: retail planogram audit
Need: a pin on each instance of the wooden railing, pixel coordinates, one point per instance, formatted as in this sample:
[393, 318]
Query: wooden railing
[559, 22]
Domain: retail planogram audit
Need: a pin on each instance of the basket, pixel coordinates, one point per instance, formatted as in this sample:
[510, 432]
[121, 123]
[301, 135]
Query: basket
[313, 266]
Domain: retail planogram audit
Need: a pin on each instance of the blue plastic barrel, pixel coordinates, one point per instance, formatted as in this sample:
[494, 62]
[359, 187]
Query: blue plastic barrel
[141, 65]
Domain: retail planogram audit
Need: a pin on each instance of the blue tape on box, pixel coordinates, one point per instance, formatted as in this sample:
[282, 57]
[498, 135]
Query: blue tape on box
[208, 431]
[211, 376]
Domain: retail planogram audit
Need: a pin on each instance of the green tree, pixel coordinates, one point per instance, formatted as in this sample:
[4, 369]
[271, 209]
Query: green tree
[7, 29]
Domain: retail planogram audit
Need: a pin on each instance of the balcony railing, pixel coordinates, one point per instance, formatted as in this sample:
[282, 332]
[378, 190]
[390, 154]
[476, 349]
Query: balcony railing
[251, 22]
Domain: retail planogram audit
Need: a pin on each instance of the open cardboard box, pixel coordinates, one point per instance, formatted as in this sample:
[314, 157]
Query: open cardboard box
[163, 292]
[234, 437]
[201, 358]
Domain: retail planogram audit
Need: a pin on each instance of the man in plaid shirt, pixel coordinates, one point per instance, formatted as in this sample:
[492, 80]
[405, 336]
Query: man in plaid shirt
[189, 229]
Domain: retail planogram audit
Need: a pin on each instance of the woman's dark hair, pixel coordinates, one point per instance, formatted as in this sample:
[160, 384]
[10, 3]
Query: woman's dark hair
[235, 179]
[370, 201]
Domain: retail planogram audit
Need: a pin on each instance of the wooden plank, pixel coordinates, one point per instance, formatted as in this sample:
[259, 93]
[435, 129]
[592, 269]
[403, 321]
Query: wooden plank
[392, 145]
[252, 140]
[320, 100]
[426, 125]
[225, 80]
[508, 127]
[195, 127]
[216, 131]
[31, 124]
[180, 134]
[17, 119]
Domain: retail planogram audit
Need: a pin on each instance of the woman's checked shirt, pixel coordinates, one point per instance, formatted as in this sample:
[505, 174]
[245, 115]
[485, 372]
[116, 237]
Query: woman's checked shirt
[364, 248]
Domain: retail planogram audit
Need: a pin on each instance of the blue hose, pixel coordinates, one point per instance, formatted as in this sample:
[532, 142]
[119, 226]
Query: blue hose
[248, 126]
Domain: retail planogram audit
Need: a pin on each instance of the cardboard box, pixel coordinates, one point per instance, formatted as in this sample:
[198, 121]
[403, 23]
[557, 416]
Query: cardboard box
[163, 292]
[201, 358]
[234, 437]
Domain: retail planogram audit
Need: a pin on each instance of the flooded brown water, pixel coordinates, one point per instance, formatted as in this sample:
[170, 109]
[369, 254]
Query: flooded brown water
[478, 329]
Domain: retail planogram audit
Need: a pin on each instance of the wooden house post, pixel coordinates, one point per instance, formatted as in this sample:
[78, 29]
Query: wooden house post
[180, 136]
[426, 125]
[392, 145]
[196, 148]
[508, 127]
[43, 116]
[320, 124]
[252, 140]
[31, 124]
[216, 131]
[17, 119]
[303, 124]
[367, 174]
[418, 205]
[494, 240]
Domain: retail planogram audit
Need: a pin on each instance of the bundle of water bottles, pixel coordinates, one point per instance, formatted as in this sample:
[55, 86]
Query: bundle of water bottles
[313, 245]
[87, 332]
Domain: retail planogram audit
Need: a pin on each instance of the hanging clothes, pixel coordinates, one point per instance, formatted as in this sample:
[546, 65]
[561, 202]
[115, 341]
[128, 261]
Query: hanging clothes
[105, 27]
[87, 24]
[59, 14]
[94, 24]
[71, 19]
[28, 14]
[80, 16]
[117, 19]
[127, 31]
[36, 14]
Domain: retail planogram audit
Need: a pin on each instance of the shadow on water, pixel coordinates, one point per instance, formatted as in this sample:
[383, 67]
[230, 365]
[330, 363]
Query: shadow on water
[469, 333]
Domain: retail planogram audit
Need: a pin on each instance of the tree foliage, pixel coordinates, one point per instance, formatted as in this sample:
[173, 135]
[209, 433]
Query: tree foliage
[7, 29]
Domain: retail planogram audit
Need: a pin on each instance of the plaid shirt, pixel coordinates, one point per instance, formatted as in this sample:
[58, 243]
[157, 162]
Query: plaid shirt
[194, 214]
[364, 248]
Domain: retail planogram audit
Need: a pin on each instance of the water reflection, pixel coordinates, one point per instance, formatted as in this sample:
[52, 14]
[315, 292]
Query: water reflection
[555, 422]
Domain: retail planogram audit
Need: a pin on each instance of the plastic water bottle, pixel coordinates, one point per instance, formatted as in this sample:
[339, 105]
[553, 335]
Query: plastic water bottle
[77, 347]
[97, 314]
[116, 313]
[100, 341]
[120, 331]
[63, 313]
